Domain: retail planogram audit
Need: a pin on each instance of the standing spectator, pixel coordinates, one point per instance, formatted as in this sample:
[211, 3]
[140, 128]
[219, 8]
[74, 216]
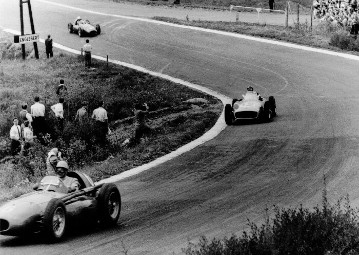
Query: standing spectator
[38, 115]
[81, 114]
[141, 128]
[271, 5]
[25, 116]
[28, 137]
[87, 49]
[99, 115]
[48, 45]
[15, 136]
[58, 109]
[61, 90]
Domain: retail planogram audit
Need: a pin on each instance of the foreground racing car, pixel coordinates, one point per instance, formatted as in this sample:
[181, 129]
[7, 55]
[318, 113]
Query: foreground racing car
[50, 208]
[84, 27]
[251, 107]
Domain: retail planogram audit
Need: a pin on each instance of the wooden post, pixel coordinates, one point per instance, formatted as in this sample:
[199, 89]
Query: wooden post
[298, 15]
[286, 15]
[33, 29]
[22, 29]
[107, 61]
[311, 18]
[237, 16]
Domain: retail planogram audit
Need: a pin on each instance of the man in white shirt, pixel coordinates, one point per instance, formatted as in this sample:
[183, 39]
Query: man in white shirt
[81, 114]
[15, 136]
[38, 115]
[28, 137]
[58, 109]
[101, 123]
[87, 49]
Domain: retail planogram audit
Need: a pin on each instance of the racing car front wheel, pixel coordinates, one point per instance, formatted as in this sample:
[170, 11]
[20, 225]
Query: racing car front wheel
[55, 220]
[228, 114]
[79, 32]
[70, 27]
[109, 204]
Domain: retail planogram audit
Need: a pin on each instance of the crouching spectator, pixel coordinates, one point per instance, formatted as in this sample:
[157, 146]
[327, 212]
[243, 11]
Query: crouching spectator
[53, 157]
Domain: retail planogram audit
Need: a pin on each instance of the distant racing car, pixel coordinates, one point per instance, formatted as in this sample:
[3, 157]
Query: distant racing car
[83, 27]
[250, 108]
[50, 208]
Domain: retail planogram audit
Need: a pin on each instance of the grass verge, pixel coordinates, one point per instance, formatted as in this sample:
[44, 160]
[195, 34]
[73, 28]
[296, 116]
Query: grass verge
[173, 121]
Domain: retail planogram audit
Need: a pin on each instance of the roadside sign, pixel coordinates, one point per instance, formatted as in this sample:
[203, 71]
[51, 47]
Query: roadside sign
[26, 38]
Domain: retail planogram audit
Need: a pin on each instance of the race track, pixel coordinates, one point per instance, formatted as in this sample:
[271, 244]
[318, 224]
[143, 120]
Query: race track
[213, 189]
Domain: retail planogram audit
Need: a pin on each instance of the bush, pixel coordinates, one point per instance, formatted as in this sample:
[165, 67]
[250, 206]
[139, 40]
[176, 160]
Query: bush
[342, 40]
[327, 230]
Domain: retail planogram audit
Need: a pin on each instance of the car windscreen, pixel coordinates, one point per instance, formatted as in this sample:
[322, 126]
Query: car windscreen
[52, 183]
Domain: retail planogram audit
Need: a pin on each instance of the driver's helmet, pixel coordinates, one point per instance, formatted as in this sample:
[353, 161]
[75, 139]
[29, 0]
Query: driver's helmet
[250, 88]
[62, 164]
[78, 17]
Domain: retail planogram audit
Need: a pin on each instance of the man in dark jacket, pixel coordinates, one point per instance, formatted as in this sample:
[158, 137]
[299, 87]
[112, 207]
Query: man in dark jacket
[48, 45]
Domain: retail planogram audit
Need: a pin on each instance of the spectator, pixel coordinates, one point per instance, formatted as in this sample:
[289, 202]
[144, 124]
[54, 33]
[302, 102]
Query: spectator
[58, 109]
[25, 116]
[71, 183]
[15, 136]
[87, 49]
[61, 90]
[38, 115]
[53, 157]
[28, 137]
[141, 127]
[81, 114]
[48, 46]
[99, 115]
[271, 4]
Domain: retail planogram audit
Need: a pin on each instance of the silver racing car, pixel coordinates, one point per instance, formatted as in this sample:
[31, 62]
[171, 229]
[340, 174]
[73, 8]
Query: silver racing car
[83, 27]
[50, 208]
[250, 108]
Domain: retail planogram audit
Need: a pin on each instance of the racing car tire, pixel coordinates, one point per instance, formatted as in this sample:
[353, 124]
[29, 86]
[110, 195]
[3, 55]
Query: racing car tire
[55, 220]
[98, 29]
[267, 112]
[80, 32]
[70, 27]
[228, 114]
[109, 204]
[273, 105]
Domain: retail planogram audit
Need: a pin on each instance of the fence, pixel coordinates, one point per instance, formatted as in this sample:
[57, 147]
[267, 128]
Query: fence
[293, 14]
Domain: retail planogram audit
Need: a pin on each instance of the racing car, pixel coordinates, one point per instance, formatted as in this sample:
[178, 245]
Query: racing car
[250, 108]
[50, 208]
[83, 27]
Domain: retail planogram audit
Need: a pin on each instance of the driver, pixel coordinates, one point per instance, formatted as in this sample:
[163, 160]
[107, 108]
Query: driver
[250, 94]
[77, 20]
[61, 170]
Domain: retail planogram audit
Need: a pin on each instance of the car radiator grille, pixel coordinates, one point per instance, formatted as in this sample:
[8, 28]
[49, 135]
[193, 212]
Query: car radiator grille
[246, 115]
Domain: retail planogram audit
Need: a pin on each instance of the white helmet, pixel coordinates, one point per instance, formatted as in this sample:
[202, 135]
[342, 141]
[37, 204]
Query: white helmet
[62, 164]
[78, 17]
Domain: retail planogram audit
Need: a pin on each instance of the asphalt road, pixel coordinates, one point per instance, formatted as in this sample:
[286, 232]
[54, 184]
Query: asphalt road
[213, 189]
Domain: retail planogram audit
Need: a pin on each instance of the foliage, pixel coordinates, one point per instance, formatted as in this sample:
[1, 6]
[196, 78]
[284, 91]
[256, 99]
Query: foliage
[326, 230]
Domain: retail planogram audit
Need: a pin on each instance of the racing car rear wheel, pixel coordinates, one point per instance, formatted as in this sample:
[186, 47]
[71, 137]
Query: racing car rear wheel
[267, 112]
[80, 32]
[55, 220]
[70, 27]
[228, 114]
[109, 204]
[98, 29]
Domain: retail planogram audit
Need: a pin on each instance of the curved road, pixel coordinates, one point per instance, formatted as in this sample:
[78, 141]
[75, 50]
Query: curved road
[213, 189]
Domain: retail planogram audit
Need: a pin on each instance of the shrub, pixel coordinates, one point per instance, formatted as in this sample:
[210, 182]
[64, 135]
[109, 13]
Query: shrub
[342, 40]
[327, 230]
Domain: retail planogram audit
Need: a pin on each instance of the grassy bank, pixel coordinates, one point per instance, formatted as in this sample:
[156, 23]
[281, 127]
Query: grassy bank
[173, 121]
